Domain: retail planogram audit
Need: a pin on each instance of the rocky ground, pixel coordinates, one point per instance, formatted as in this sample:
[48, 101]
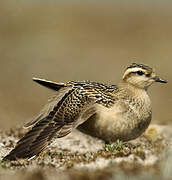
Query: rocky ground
[79, 156]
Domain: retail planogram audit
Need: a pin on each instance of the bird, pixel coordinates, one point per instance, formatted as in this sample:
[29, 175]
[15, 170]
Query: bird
[108, 112]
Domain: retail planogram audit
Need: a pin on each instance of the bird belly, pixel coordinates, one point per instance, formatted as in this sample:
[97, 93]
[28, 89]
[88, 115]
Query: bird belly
[118, 122]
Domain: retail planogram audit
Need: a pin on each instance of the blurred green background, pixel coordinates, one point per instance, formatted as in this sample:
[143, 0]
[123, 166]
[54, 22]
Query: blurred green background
[79, 40]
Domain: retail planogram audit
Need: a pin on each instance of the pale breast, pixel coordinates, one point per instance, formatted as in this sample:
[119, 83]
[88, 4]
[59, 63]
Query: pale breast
[125, 120]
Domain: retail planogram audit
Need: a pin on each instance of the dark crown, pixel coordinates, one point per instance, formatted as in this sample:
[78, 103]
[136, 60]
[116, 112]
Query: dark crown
[145, 67]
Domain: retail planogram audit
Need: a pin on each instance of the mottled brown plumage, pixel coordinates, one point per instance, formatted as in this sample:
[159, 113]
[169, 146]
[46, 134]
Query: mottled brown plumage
[108, 112]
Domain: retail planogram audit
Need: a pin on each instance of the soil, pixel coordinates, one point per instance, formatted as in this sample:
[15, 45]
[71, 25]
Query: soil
[79, 156]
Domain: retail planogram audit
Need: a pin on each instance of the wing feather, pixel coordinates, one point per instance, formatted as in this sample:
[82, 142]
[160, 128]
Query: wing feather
[53, 101]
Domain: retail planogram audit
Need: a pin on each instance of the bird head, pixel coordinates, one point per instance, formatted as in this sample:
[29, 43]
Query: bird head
[141, 76]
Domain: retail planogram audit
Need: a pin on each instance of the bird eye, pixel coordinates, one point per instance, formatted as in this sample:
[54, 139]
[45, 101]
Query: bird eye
[140, 73]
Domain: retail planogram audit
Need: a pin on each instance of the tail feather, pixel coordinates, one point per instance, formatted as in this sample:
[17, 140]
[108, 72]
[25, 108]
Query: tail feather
[49, 84]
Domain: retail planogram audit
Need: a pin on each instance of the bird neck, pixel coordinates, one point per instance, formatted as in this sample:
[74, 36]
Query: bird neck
[132, 90]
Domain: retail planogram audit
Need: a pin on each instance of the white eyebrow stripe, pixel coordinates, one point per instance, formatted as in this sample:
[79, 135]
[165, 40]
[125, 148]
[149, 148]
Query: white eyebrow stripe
[130, 70]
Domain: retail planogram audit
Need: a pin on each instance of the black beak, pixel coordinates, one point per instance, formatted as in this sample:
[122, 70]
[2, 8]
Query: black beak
[158, 79]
